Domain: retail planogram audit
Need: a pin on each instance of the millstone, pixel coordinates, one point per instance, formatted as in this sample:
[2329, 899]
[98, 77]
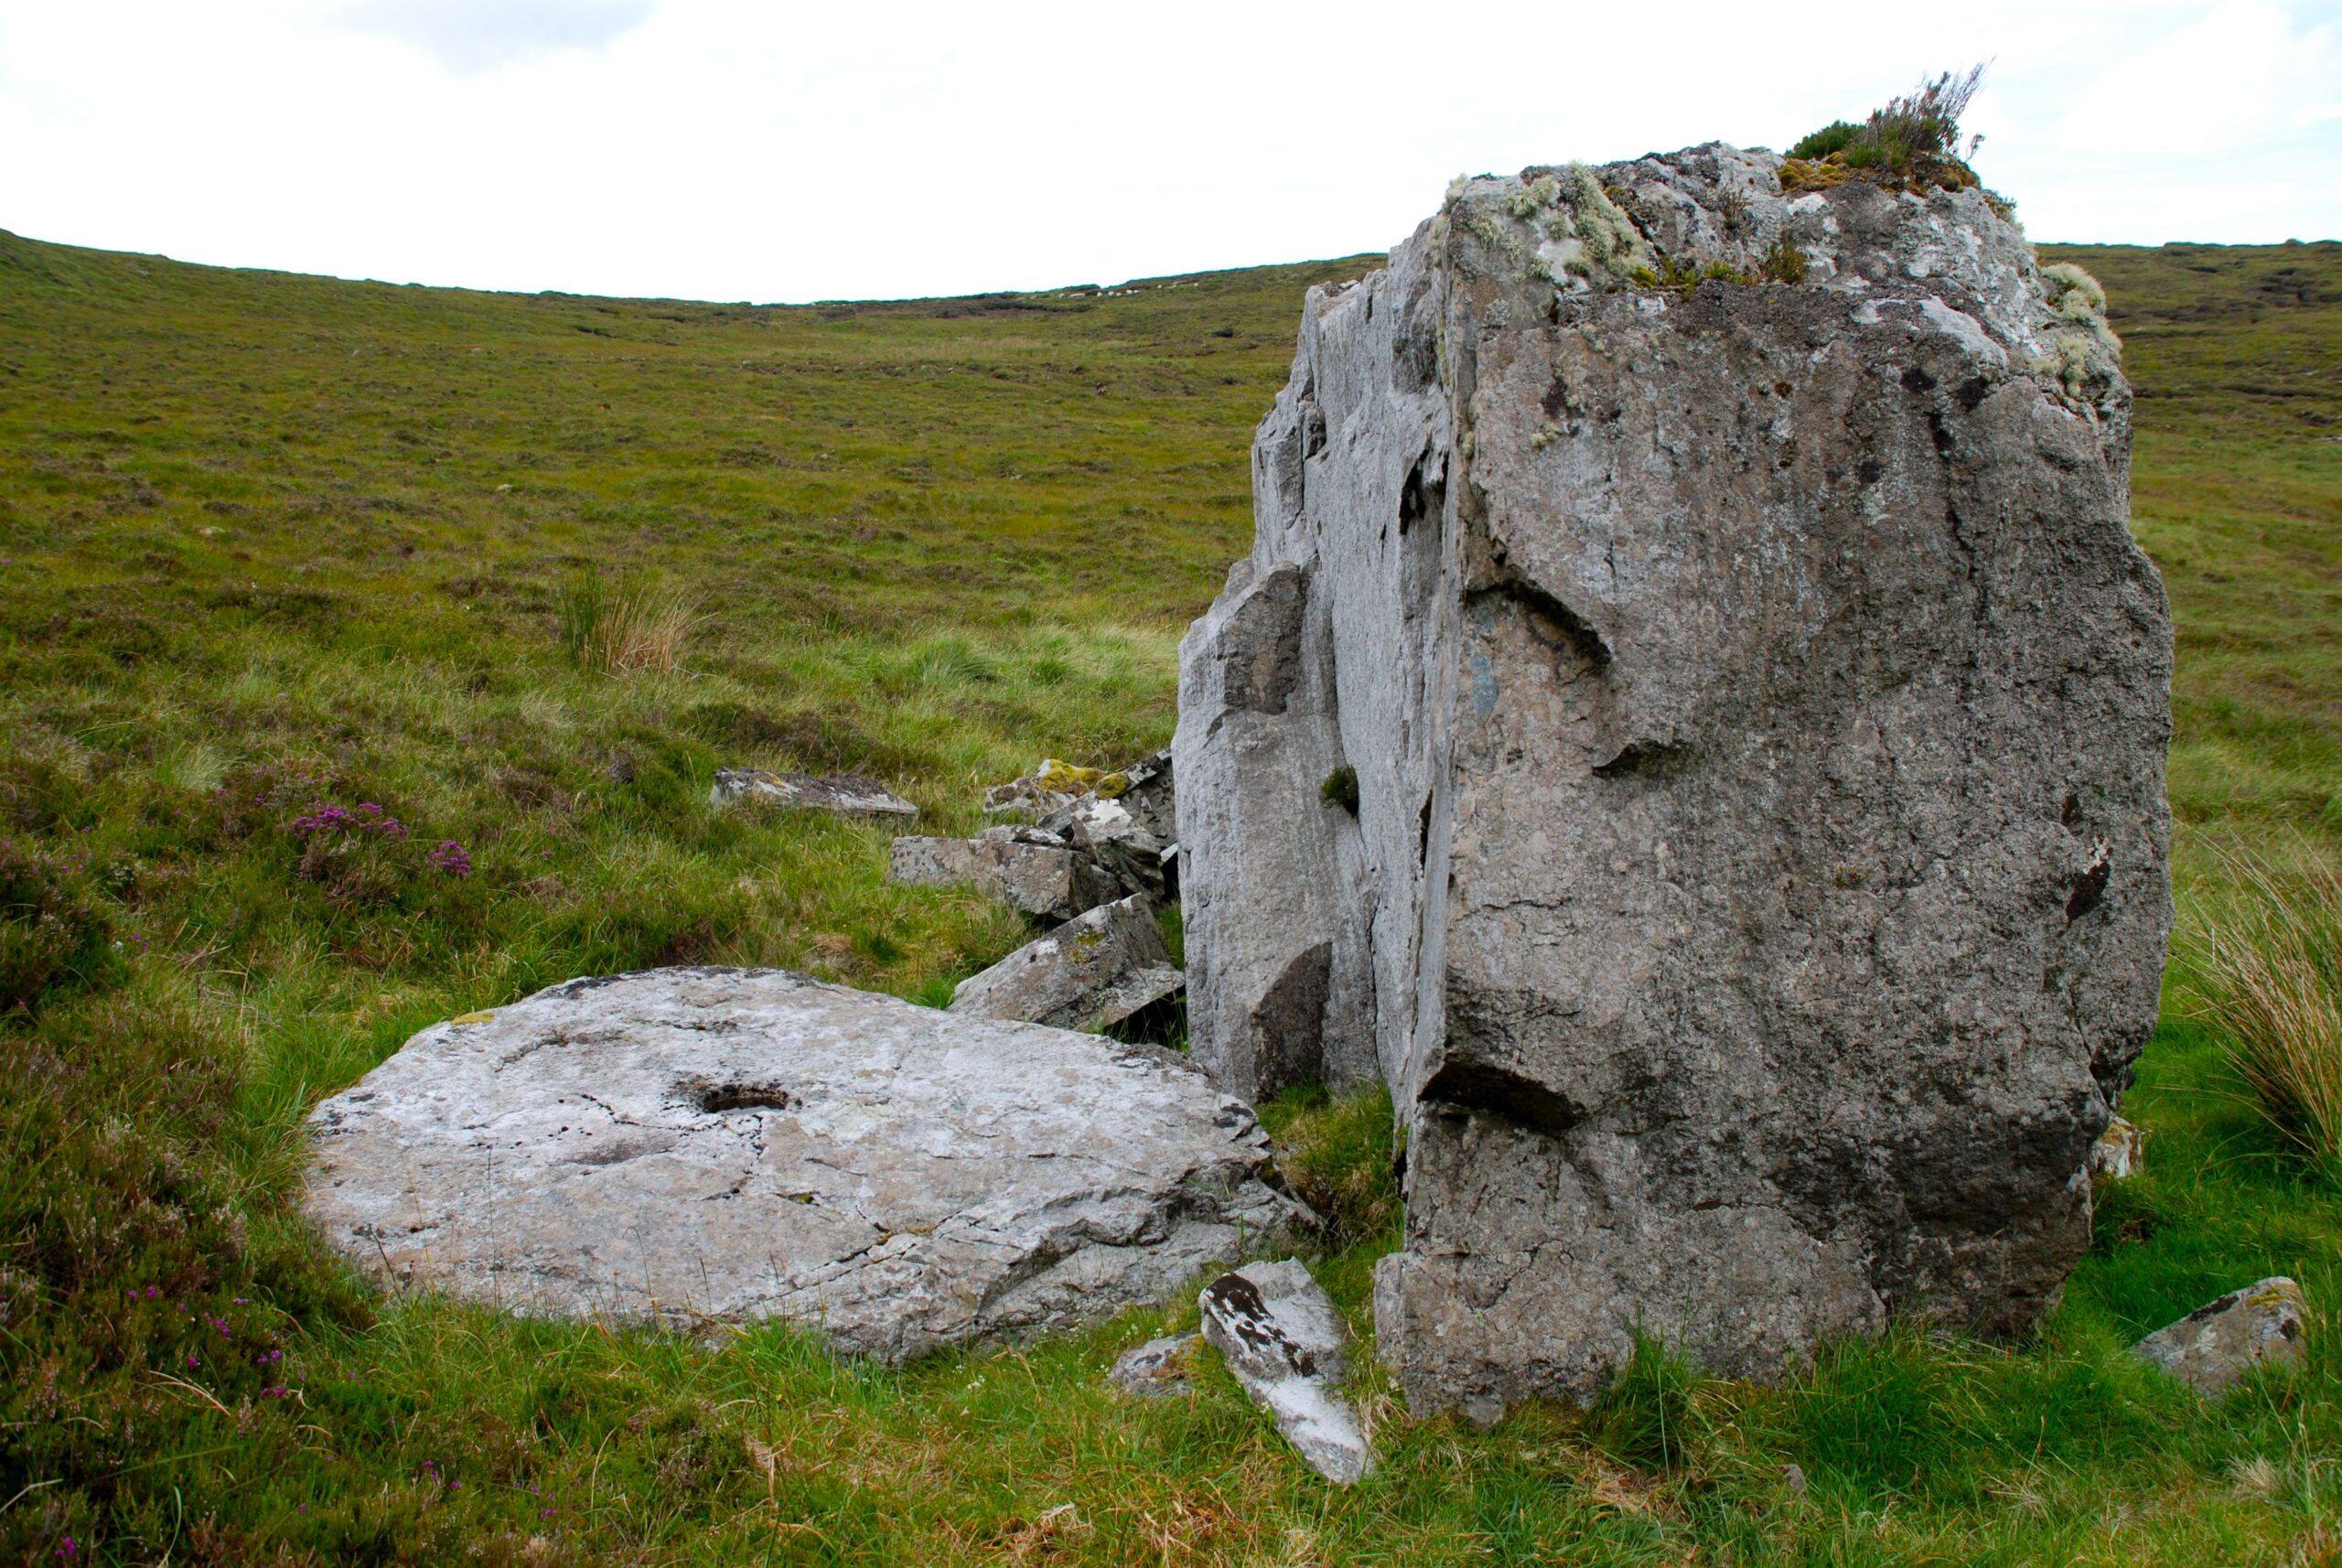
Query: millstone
[688, 1144]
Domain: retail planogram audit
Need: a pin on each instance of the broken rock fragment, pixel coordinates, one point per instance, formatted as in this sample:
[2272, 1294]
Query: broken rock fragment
[1284, 1342]
[847, 795]
[2118, 1155]
[1158, 1369]
[1090, 973]
[1034, 870]
[2219, 1342]
[727, 1144]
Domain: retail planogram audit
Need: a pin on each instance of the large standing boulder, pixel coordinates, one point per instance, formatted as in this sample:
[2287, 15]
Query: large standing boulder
[691, 1144]
[1701, 743]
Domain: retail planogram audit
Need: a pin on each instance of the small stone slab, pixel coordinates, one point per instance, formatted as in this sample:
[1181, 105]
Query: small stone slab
[1090, 973]
[731, 1144]
[847, 795]
[2119, 1152]
[1035, 872]
[1158, 1369]
[1051, 786]
[1286, 1343]
[2219, 1342]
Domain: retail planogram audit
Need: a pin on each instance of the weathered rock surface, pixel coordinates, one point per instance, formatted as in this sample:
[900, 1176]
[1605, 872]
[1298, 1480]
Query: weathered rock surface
[848, 795]
[1756, 709]
[1034, 870]
[1158, 1369]
[1284, 1342]
[2120, 1152]
[748, 1143]
[2219, 1342]
[1090, 973]
[1116, 836]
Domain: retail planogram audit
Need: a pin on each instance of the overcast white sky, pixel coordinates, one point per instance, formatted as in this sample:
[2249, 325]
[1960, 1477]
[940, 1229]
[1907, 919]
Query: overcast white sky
[726, 149]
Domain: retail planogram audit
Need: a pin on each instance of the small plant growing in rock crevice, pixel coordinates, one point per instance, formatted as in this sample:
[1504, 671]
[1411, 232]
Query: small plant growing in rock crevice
[1910, 143]
[1340, 789]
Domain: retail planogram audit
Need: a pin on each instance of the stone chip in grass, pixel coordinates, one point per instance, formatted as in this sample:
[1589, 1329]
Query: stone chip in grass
[1284, 1342]
[2219, 1342]
[847, 795]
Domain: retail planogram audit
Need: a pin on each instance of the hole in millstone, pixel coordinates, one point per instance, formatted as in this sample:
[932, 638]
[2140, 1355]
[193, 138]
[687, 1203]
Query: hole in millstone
[735, 1096]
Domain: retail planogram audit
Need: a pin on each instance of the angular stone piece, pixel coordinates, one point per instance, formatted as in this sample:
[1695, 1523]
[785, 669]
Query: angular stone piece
[748, 1143]
[1117, 844]
[1149, 795]
[1158, 1369]
[1751, 875]
[1286, 1343]
[1035, 872]
[2219, 1342]
[1051, 786]
[847, 795]
[2119, 1152]
[1090, 973]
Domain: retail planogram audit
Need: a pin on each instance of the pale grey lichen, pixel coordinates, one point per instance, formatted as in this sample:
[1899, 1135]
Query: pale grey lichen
[2073, 292]
[1534, 197]
[2067, 364]
[1613, 244]
[2084, 352]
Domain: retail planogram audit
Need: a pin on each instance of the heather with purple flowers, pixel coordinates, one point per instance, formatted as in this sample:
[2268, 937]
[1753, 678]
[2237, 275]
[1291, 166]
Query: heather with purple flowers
[360, 854]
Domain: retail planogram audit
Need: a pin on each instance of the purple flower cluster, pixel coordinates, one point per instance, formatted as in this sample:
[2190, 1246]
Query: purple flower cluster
[452, 858]
[366, 817]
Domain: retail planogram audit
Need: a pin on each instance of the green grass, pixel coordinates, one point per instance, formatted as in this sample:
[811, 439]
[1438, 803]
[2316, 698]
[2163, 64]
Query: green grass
[267, 542]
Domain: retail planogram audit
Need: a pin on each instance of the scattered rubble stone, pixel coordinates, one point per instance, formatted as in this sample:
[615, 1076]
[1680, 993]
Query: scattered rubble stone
[1090, 973]
[2219, 1342]
[1158, 1369]
[1037, 872]
[847, 795]
[2119, 1153]
[1284, 1340]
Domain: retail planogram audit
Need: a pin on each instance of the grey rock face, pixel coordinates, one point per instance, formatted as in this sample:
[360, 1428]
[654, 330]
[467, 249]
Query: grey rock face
[1286, 1343]
[2219, 1342]
[1758, 888]
[848, 795]
[1090, 973]
[1038, 872]
[748, 1143]
[1158, 1369]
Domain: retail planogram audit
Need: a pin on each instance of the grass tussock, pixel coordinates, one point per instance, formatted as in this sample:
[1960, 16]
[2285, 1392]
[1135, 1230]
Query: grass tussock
[2269, 961]
[629, 624]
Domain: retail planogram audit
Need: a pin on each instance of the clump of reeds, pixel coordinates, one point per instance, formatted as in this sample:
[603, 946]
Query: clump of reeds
[629, 624]
[2270, 963]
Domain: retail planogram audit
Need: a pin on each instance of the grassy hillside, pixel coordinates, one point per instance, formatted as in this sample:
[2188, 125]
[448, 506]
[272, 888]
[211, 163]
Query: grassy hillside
[271, 541]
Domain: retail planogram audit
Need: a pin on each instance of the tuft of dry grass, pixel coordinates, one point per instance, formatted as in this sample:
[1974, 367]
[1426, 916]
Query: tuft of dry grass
[631, 624]
[2271, 968]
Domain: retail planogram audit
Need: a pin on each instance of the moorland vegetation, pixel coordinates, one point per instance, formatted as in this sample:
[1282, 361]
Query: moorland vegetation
[365, 654]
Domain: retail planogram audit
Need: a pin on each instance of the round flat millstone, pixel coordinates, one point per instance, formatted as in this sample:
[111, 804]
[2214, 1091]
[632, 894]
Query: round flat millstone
[684, 1143]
